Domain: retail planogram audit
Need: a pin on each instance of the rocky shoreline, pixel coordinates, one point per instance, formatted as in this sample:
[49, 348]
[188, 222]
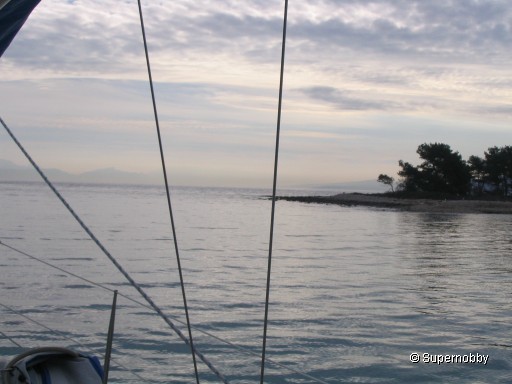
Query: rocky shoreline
[413, 205]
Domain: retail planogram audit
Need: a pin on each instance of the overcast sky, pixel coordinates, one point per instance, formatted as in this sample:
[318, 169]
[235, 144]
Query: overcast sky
[366, 82]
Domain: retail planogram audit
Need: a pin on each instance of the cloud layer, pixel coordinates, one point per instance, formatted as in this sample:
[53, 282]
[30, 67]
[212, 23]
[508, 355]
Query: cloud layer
[365, 77]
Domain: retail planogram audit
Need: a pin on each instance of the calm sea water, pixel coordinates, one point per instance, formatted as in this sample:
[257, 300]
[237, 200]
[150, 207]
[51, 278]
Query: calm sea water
[355, 291]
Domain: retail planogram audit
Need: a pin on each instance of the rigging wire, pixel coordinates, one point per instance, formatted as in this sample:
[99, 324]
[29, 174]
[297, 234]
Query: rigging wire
[209, 334]
[10, 339]
[107, 289]
[274, 187]
[110, 257]
[71, 273]
[64, 336]
[167, 192]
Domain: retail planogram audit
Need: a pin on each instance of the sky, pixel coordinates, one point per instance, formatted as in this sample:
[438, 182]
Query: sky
[365, 83]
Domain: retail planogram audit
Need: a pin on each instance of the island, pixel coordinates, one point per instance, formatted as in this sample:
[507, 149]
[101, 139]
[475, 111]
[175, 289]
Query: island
[442, 183]
[387, 201]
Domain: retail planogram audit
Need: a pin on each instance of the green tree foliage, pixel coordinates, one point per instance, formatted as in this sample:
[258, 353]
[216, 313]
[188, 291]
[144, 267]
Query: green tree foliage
[410, 177]
[478, 170]
[498, 168]
[387, 180]
[442, 171]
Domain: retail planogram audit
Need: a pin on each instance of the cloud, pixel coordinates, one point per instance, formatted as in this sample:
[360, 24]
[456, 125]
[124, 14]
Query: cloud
[91, 38]
[425, 28]
[356, 72]
[342, 100]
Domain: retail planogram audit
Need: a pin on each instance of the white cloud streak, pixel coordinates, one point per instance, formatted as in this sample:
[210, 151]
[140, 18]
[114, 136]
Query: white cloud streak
[356, 71]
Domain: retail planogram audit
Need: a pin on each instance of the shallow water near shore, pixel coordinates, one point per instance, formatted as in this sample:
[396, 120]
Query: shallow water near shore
[355, 290]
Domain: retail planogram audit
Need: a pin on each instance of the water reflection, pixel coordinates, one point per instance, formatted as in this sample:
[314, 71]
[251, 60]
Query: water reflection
[460, 265]
[354, 290]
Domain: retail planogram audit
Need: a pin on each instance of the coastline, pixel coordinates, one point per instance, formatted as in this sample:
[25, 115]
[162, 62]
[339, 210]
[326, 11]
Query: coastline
[412, 205]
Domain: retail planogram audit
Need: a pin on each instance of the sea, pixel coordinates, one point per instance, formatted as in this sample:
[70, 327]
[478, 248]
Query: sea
[358, 294]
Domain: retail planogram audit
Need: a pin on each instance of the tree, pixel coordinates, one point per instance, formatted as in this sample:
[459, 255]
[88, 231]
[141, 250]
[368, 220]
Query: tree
[442, 171]
[499, 167]
[410, 176]
[478, 171]
[387, 180]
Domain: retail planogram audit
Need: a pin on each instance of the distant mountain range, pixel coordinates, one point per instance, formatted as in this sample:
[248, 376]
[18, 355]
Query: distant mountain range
[10, 171]
[14, 172]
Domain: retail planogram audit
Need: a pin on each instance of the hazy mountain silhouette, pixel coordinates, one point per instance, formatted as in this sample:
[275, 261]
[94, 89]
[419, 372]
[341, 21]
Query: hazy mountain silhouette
[10, 171]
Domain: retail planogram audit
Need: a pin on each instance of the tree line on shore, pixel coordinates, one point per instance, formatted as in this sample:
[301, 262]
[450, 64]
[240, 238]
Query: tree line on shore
[443, 172]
